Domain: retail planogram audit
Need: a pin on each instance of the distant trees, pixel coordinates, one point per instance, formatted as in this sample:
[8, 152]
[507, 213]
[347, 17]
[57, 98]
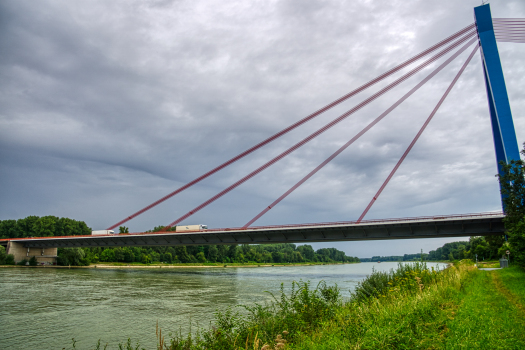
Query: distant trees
[485, 247]
[46, 226]
[264, 253]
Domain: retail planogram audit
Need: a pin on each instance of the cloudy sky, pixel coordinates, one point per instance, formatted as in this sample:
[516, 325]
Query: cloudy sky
[106, 106]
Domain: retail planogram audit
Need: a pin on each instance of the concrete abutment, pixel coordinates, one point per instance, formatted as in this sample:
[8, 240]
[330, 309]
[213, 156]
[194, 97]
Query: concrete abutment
[46, 256]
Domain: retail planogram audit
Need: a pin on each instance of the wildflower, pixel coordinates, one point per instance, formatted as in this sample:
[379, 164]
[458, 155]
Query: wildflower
[285, 332]
[266, 347]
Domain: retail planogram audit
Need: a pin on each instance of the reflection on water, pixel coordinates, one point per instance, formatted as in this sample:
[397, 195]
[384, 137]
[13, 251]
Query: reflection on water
[45, 308]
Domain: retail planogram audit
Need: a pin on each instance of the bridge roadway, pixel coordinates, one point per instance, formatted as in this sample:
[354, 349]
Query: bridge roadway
[482, 224]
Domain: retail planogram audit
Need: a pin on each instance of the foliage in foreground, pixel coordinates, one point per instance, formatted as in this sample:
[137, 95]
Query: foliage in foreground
[512, 184]
[407, 278]
[296, 320]
[268, 326]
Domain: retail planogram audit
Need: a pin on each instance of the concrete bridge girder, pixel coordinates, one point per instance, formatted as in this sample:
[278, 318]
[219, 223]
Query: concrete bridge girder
[428, 228]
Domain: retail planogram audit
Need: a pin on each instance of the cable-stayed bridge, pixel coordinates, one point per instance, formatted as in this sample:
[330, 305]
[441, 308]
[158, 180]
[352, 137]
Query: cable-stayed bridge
[482, 35]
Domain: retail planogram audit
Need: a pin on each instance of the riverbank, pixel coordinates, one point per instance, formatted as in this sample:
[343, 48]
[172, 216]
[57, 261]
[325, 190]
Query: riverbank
[460, 307]
[180, 265]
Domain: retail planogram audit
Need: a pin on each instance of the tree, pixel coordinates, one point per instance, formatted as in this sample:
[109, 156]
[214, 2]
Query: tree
[72, 256]
[119, 254]
[182, 254]
[107, 255]
[146, 259]
[307, 252]
[123, 229]
[200, 257]
[45, 226]
[33, 261]
[128, 255]
[213, 253]
[512, 183]
[8, 229]
[6, 259]
[233, 253]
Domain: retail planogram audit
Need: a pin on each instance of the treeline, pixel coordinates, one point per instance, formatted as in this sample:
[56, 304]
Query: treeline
[406, 257]
[46, 226]
[261, 253]
[489, 247]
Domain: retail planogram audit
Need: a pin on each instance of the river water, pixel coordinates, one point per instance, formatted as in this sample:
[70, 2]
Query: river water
[45, 308]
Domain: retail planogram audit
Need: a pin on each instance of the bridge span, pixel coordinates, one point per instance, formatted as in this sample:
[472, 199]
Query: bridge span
[466, 225]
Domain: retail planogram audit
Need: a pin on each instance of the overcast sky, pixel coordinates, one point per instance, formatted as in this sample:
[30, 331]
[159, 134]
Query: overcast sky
[106, 106]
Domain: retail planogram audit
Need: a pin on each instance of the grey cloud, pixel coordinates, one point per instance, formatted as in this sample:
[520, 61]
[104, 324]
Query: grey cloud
[108, 106]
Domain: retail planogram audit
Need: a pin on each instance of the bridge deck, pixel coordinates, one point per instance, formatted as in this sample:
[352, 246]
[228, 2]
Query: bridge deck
[422, 227]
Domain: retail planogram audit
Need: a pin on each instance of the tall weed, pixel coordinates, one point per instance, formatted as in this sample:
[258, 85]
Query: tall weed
[267, 326]
[407, 278]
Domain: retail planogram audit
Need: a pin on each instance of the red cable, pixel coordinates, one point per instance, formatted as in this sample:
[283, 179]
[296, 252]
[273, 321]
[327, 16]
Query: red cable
[300, 122]
[418, 134]
[358, 135]
[321, 130]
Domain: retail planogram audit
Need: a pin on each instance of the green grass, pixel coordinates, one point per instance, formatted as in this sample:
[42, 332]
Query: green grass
[488, 264]
[514, 280]
[486, 319]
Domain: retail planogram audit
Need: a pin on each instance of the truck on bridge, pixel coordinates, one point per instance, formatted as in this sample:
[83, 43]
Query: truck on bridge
[102, 232]
[187, 228]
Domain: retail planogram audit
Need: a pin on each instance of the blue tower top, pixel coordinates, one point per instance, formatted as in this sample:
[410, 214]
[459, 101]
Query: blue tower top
[504, 134]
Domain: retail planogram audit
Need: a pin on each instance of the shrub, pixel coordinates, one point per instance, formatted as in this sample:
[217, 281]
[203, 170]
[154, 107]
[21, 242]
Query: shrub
[33, 261]
[10, 259]
[3, 255]
[264, 325]
[407, 278]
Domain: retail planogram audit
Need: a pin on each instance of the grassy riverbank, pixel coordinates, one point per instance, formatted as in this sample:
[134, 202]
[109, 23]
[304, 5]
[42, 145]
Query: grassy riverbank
[410, 308]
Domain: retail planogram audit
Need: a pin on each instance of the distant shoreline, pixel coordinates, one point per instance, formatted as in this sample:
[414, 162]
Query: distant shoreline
[170, 266]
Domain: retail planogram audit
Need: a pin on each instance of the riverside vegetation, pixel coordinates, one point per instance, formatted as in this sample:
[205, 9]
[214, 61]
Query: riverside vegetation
[412, 307]
[47, 226]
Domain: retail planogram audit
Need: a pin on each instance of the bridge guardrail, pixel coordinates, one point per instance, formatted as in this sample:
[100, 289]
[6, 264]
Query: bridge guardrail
[372, 221]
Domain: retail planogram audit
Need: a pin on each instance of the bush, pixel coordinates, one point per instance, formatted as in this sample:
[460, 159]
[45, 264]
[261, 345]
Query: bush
[72, 256]
[23, 262]
[33, 261]
[10, 259]
[3, 255]
[408, 278]
[287, 316]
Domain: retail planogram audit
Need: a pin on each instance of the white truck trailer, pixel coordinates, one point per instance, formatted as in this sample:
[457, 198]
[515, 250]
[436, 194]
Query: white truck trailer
[186, 228]
[102, 232]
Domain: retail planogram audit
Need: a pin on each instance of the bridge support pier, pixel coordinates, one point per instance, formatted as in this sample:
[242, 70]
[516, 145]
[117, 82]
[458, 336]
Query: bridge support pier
[505, 142]
[46, 256]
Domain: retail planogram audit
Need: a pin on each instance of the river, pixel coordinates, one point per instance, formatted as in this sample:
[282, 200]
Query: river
[45, 308]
